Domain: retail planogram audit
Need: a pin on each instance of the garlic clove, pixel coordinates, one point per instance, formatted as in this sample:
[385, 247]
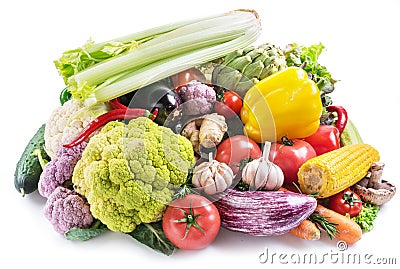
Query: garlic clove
[205, 176]
[199, 174]
[226, 171]
[261, 177]
[249, 172]
[209, 186]
[275, 178]
[212, 177]
[220, 184]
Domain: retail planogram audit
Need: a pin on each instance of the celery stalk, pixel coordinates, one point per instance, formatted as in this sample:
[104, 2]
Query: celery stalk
[166, 54]
[77, 60]
[168, 67]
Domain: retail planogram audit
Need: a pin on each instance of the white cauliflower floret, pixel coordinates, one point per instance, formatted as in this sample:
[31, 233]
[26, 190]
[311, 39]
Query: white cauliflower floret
[65, 123]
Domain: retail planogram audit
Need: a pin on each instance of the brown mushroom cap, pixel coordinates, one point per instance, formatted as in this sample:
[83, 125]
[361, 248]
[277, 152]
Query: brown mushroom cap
[382, 193]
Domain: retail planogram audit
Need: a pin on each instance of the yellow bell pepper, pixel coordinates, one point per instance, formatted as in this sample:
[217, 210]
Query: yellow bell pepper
[286, 103]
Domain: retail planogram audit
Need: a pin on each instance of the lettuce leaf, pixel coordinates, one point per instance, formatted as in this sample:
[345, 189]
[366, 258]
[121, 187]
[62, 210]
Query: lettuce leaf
[307, 58]
[367, 216]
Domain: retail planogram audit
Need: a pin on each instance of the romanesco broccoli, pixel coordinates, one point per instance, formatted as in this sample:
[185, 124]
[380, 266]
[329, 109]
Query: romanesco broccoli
[129, 173]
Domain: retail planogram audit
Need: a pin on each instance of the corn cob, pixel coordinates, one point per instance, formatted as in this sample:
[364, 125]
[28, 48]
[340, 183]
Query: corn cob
[337, 170]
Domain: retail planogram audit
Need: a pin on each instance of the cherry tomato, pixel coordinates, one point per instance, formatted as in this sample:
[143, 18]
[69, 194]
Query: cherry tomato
[182, 78]
[230, 105]
[325, 139]
[191, 222]
[346, 202]
[236, 148]
[289, 155]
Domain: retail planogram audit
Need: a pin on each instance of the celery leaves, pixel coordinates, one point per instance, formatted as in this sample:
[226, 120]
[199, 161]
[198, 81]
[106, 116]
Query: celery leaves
[76, 60]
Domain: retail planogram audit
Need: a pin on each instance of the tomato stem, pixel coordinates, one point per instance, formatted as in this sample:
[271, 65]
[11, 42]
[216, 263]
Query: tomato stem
[286, 141]
[190, 219]
[349, 198]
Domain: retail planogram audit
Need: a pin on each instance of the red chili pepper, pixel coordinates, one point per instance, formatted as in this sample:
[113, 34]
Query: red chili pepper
[116, 114]
[342, 117]
[116, 104]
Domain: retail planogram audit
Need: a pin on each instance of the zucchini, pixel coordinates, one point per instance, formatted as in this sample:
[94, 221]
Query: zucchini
[350, 135]
[263, 213]
[29, 166]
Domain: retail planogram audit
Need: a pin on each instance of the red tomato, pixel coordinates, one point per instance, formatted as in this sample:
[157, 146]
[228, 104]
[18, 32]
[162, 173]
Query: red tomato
[289, 155]
[230, 105]
[236, 148]
[191, 222]
[182, 78]
[346, 202]
[325, 139]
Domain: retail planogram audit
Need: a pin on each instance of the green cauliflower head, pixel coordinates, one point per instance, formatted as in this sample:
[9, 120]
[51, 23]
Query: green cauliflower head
[129, 172]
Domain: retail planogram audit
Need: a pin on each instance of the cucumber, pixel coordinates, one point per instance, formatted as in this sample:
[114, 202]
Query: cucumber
[350, 135]
[29, 167]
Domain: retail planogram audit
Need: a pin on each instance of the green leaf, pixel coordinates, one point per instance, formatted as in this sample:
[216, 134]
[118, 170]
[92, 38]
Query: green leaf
[78, 234]
[152, 235]
[367, 216]
[76, 60]
[297, 55]
[312, 52]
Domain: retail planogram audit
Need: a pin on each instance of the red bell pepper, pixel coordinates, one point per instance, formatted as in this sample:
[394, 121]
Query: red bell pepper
[325, 139]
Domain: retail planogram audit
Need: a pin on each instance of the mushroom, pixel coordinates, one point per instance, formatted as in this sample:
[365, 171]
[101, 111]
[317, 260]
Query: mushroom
[372, 188]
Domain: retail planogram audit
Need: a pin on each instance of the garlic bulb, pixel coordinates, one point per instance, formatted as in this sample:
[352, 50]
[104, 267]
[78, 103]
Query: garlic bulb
[262, 174]
[212, 176]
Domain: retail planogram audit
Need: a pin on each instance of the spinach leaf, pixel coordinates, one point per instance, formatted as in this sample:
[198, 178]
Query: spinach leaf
[78, 234]
[152, 235]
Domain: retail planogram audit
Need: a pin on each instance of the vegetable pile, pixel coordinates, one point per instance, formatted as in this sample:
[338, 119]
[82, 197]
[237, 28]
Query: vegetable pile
[172, 133]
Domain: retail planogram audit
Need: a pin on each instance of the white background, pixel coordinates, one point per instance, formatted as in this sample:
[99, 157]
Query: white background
[362, 52]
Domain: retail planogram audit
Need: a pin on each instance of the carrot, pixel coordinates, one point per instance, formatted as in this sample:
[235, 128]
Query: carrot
[347, 230]
[306, 230]
[285, 190]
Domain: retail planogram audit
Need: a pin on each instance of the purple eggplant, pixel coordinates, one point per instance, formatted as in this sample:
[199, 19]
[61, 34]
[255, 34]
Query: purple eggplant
[263, 213]
[159, 95]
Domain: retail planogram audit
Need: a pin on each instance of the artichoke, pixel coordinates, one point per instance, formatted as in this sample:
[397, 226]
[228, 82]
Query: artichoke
[241, 69]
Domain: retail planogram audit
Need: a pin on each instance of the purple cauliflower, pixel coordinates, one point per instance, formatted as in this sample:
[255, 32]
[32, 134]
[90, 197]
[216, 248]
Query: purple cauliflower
[59, 169]
[198, 98]
[66, 209]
